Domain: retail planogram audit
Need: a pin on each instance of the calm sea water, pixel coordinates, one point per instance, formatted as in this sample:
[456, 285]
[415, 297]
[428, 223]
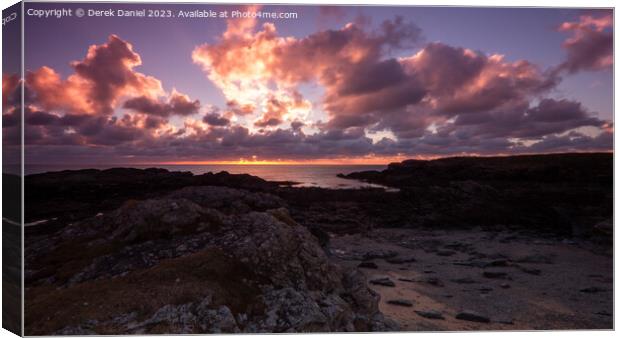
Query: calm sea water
[323, 176]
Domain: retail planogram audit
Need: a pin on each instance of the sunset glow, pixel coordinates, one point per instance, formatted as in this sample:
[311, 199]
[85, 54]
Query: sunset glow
[319, 89]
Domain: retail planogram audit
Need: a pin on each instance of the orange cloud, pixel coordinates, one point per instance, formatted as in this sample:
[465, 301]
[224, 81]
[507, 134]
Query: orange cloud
[261, 69]
[244, 66]
[100, 80]
[53, 93]
[10, 84]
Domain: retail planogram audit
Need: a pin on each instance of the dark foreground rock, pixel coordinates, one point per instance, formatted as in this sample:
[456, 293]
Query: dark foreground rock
[400, 302]
[384, 281]
[154, 251]
[567, 194]
[190, 263]
[472, 317]
[430, 314]
[75, 194]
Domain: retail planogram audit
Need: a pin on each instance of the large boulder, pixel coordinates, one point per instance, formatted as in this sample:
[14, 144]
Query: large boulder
[230, 271]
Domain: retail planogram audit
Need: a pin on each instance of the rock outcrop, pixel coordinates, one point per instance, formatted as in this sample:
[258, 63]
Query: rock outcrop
[565, 194]
[240, 263]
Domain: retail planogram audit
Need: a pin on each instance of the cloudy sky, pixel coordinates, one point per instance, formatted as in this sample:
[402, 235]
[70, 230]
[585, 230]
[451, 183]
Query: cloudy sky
[335, 85]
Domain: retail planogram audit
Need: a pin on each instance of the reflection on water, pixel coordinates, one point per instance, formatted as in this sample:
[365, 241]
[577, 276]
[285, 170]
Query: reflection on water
[323, 176]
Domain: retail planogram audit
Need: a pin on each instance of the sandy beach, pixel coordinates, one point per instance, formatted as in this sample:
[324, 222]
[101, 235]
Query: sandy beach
[515, 280]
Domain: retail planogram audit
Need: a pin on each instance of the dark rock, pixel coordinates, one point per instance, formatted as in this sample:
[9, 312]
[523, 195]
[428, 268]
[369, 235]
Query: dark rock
[267, 272]
[605, 228]
[408, 280]
[518, 191]
[445, 253]
[79, 194]
[472, 317]
[379, 254]
[504, 286]
[531, 271]
[464, 280]
[384, 281]
[477, 264]
[430, 314]
[368, 265]
[202, 316]
[400, 302]
[534, 258]
[495, 274]
[592, 289]
[401, 260]
[321, 235]
[497, 263]
[434, 281]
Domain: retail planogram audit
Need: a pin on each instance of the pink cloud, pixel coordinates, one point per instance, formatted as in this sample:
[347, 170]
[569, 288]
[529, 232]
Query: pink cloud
[591, 45]
[10, 86]
[440, 99]
[177, 104]
[460, 80]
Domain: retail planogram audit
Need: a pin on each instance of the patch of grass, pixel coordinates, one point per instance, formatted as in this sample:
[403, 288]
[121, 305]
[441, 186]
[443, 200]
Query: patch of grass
[73, 256]
[175, 281]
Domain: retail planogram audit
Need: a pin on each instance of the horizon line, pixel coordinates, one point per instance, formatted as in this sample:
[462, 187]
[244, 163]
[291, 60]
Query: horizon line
[326, 162]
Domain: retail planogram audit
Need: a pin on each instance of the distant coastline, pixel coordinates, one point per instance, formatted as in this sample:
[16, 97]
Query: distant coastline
[319, 176]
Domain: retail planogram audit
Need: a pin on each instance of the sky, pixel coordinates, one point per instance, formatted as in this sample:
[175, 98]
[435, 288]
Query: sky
[331, 85]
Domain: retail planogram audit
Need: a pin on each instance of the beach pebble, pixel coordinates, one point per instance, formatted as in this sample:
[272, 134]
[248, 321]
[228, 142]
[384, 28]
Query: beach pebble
[592, 289]
[368, 265]
[430, 314]
[531, 271]
[379, 254]
[434, 281]
[495, 274]
[401, 260]
[464, 280]
[400, 302]
[385, 281]
[472, 317]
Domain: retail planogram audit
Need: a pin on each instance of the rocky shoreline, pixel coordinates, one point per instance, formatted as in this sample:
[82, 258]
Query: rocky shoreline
[151, 251]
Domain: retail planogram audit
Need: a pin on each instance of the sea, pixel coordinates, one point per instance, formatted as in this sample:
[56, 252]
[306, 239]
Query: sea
[322, 176]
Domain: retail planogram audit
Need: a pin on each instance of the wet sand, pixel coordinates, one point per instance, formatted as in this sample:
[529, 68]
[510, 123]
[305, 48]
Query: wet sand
[517, 281]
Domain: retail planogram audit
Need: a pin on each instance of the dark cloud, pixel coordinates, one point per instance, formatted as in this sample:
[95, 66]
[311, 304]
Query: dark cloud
[11, 119]
[39, 118]
[548, 117]
[216, 119]
[177, 104]
[297, 125]
[591, 45]
[432, 99]
[573, 141]
[460, 80]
